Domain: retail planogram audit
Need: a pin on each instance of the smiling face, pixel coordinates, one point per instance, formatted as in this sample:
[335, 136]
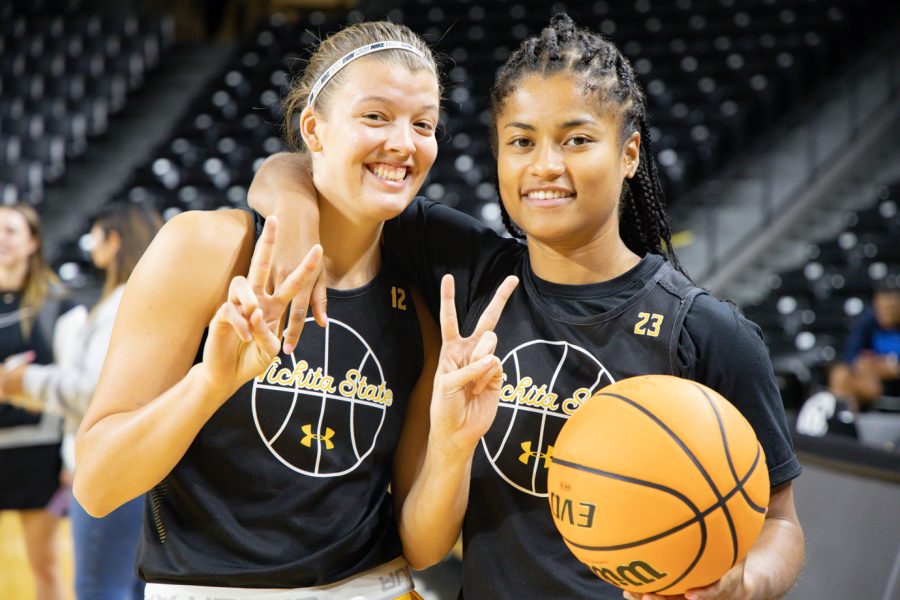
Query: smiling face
[561, 162]
[17, 244]
[374, 143]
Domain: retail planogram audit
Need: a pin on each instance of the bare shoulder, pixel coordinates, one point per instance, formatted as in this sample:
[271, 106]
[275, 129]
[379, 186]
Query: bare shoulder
[216, 236]
[205, 249]
[187, 268]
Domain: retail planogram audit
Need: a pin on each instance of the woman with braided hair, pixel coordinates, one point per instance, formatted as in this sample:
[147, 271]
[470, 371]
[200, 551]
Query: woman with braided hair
[602, 297]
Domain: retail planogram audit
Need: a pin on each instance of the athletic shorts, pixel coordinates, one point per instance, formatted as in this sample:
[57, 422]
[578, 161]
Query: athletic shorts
[390, 581]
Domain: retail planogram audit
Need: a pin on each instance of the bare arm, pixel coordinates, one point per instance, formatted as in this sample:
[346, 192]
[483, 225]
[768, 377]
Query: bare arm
[283, 187]
[431, 517]
[150, 402]
[772, 566]
[774, 563]
[433, 490]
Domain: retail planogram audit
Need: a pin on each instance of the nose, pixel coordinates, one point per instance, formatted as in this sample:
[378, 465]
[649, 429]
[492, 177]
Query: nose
[548, 162]
[400, 140]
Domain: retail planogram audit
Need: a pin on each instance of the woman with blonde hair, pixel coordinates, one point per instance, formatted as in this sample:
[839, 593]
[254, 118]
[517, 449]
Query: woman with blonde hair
[268, 468]
[31, 299]
[104, 548]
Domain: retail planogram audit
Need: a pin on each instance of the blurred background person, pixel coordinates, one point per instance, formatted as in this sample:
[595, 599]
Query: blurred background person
[873, 344]
[834, 409]
[31, 299]
[104, 548]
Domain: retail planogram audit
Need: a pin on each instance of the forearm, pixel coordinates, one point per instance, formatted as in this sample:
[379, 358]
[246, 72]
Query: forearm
[283, 186]
[147, 443]
[433, 511]
[775, 561]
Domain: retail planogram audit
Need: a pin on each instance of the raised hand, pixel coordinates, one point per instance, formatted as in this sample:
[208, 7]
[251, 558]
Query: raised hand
[468, 379]
[243, 338]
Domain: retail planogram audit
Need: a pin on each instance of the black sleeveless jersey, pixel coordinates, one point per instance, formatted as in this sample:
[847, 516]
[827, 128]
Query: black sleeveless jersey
[558, 345]
[287, 484]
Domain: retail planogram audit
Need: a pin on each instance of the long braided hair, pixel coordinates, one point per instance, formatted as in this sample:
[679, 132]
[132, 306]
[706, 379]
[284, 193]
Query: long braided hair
[608, 77]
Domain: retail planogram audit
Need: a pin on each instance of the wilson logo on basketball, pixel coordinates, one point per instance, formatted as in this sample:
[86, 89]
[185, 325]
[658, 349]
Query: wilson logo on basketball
[320, 411]
[544, 383]
[635, 573]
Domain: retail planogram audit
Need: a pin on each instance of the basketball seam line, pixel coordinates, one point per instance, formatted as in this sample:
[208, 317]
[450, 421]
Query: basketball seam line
[700, 521]
[686, 450]
[734, 475]
[698, 514]
[699, 517]
[734, 540]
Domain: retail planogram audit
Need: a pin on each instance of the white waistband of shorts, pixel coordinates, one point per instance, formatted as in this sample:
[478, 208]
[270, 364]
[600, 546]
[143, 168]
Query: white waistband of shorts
[386, 582]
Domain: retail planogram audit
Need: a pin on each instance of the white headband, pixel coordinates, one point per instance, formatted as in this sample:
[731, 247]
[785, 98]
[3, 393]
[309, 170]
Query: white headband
[359, 53]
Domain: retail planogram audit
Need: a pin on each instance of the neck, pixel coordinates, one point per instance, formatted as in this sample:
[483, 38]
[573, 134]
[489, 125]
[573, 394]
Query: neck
[602, 258]
[13, 278]
[352, 247]
[109, 283]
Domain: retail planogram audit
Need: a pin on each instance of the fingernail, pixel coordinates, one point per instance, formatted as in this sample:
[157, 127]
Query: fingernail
[288, 348]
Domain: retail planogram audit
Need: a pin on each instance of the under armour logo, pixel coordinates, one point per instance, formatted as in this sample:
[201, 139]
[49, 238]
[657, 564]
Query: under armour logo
[527, 454]
[309, 436]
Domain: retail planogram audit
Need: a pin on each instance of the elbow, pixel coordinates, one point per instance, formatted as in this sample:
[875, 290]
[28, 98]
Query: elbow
[422, 558]
[89, 485]
[93, 503]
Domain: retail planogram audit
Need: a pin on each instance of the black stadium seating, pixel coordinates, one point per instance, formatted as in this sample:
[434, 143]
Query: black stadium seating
[810, 309]
[63, 73]
[716, 73]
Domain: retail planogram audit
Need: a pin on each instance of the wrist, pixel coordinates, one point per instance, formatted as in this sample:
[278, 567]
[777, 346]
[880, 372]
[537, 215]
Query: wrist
[448, 452]
[209, 386]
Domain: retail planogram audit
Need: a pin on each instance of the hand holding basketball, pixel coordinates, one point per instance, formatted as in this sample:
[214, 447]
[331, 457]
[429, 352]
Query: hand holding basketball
[730, 587]
[243, 338]
[468, 378]
[682, 481]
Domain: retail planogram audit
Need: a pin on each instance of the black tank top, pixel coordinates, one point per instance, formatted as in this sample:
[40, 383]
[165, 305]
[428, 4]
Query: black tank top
[553, 361]
[287, 484]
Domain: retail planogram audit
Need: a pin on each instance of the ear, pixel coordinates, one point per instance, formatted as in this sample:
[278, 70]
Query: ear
[114, 240]
[631, 154]
[309, 122]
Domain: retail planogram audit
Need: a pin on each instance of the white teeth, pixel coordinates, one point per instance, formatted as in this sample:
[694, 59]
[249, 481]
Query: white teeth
[547, 195]
[389, 173]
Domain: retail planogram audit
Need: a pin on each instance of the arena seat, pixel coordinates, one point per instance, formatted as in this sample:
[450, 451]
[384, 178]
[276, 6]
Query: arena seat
[63, 73]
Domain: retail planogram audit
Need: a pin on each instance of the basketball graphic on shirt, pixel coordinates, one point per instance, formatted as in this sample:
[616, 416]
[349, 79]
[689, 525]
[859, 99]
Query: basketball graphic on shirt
[537, 396]
[320, 410]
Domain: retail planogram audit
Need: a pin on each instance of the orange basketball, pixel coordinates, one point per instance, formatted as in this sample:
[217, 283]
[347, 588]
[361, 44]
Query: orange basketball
[658, 484]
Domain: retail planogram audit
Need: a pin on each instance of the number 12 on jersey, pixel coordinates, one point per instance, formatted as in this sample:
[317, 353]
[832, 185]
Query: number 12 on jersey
[398, 297]
[648, 324]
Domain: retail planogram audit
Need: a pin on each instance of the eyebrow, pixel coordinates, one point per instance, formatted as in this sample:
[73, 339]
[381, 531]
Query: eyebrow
[389, 101]
[576, 123]
[565, 125]
[518, 125]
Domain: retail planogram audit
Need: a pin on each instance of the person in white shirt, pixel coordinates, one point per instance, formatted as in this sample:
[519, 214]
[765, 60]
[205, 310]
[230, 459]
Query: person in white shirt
[104, 548]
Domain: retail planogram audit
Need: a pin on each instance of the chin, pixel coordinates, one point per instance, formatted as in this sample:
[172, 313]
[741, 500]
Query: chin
[552, 235]
[388, 206]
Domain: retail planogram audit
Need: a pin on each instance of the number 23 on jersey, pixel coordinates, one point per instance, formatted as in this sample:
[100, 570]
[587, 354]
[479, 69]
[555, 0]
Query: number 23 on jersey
[648, 324]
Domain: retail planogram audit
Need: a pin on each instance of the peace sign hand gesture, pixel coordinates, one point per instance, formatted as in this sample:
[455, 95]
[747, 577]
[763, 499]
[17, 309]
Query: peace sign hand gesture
[243, 334]
[468, 378]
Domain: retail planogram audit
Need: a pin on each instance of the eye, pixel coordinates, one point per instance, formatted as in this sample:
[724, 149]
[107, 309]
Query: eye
[425, 126]
[578, 140]
[374, 117]
[520, 142]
